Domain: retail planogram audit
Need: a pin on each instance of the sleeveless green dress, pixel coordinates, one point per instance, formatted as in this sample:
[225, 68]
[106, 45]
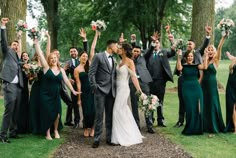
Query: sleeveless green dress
[50, 101]
[34, 105]
[230, 100]
[212, 116]
[87, 100]
[193, 99]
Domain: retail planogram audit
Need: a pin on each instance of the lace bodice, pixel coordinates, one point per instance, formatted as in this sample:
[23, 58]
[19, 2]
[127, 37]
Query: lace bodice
[124, 73]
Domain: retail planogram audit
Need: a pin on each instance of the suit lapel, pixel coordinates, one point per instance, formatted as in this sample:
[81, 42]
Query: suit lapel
[14, 55]
[106, 61]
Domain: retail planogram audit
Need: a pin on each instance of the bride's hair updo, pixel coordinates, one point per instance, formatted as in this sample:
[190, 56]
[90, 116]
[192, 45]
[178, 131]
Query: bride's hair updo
[128, 49]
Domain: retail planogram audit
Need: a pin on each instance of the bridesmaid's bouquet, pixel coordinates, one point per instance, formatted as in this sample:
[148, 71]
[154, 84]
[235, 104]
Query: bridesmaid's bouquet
[148, 104]
[32, 71]
[225, 26]
[21, 26]
[179, 43]
[98, 25]
[34, 33]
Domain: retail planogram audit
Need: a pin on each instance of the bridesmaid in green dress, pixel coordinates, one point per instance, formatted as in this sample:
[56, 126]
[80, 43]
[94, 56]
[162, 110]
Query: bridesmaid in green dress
[86, 98]
[231, 96]
[50, 101]
[212, 116]
[192, 94]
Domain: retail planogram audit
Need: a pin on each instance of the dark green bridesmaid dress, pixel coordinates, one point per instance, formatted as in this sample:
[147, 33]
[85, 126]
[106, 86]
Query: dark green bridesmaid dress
[34, 105]
[50, 101]
[230, 100]
[193, 100]
[212, 116]
[87, 100]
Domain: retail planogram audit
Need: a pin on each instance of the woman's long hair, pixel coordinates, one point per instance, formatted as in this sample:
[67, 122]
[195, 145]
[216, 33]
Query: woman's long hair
[86, 66]
[128, 49]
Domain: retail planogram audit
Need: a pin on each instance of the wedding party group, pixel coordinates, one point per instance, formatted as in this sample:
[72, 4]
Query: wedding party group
[103, 83]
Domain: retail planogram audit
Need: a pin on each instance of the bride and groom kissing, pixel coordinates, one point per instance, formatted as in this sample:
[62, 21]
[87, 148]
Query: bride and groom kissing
[110, 85]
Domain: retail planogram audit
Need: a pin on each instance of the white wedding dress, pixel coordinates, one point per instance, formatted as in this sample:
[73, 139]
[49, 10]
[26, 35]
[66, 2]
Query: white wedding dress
[124, 128]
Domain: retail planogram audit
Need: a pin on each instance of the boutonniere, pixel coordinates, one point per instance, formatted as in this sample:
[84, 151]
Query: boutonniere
[160, 54]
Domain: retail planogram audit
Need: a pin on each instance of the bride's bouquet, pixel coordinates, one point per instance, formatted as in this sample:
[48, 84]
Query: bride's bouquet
[21, 25]
[225, 26]
[148, 104]
[32, 71]
[34, 33]
[98, 25]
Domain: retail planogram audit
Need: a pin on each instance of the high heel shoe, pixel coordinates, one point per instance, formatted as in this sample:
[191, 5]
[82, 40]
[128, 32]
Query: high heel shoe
[57, 136]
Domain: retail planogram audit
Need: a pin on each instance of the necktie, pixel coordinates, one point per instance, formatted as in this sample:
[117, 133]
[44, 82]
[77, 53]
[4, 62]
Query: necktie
[110, 56]
[155, 54]
[76, 62]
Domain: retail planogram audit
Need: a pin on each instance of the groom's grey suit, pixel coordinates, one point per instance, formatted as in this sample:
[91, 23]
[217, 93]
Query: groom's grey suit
[12, 91]
[102, 79]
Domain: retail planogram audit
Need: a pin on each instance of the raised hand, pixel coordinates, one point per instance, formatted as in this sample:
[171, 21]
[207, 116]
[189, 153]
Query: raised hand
[4, 21]
[133, 37]
[121, 39]
[155, 36]
[208, 29]
[83, 34]
[167, 27]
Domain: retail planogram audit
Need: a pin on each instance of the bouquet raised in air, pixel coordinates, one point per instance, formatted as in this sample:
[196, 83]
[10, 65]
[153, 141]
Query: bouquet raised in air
[179, 43]
[34, 33]
[98, 25]
[148, 104]
[21, 26]
[225, 26]
[32, 71]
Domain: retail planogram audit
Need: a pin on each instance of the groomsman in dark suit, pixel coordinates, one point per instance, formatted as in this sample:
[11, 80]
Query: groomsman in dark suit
[144, 78]
[159, 68]
[198, 53]
[11, 75]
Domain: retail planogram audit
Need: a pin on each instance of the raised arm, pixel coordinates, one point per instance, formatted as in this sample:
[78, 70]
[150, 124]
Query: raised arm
[4, 44]
[78, 84]
[219, 49]
[48, 48]
[208, 30]
[231, 57]
[84, 37]
[41, 56]
[179, 65]
[92, 50]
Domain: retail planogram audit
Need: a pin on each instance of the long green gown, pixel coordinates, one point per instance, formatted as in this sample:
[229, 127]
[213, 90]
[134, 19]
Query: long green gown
[87, 100]
[50, 101]
[193, 99]
[230, 100]
[34, 105]
[212, 116]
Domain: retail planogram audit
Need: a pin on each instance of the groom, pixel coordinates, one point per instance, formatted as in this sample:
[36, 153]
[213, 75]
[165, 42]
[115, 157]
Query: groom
[102, 80]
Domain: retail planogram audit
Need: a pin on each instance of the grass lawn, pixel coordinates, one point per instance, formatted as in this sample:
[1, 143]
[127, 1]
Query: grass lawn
[221, 145]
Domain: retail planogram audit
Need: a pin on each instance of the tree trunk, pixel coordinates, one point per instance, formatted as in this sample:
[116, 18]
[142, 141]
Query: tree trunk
[14, 10]
[51, 9]
[203, 13]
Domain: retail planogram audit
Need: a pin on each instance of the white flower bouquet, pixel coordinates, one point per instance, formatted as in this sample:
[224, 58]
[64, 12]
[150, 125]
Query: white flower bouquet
[21, 26]
[32, 71]
[225, 26]
[34, 33]
[98, 25]
[148, 104]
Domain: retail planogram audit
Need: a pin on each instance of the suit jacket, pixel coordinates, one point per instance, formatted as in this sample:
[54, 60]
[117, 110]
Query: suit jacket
[10, 65]
[163, 58]
[198, 53]
[102, 75]
[141, 69]
[70, 70]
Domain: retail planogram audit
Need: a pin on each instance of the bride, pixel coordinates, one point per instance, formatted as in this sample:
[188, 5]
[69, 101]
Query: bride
[124, 128]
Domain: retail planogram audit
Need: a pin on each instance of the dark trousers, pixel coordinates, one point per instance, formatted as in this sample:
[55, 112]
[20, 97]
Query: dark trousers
[103, 101]
[181, 101]
[158, 88]
[12, 99]
[134, 103]
[71, 103]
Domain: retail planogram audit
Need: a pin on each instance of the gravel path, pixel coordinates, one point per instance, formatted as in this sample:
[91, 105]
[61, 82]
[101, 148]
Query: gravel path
[154, 145]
